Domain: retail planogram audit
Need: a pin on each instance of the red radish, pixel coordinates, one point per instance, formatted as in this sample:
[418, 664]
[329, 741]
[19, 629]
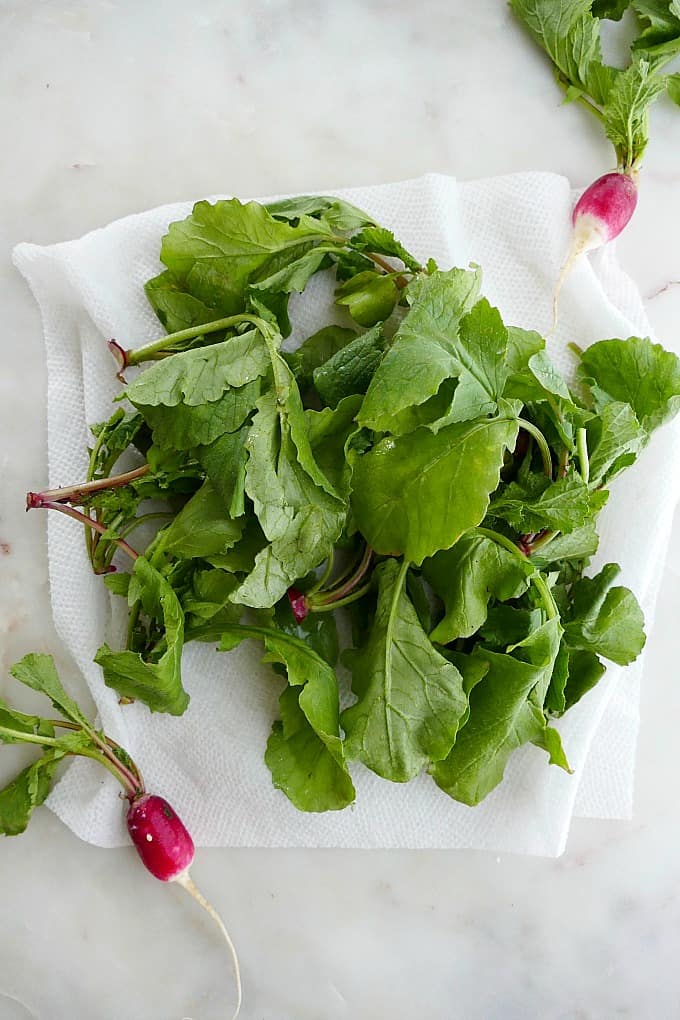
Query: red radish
[298, 604]
[160, 837]
[167, 851]
[600, 214]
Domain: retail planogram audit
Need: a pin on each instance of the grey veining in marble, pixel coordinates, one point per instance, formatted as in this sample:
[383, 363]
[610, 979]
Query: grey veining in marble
[111, 107]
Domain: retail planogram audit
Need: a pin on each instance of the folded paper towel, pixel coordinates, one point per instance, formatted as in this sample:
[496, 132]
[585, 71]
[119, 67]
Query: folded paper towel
[210, 761]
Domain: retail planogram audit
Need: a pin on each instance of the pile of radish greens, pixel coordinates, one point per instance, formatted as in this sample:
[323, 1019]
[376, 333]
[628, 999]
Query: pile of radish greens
[422, 470]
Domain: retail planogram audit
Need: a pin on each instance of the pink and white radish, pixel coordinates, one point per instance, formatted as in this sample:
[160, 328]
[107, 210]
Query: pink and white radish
[167, 851]
[600, 214]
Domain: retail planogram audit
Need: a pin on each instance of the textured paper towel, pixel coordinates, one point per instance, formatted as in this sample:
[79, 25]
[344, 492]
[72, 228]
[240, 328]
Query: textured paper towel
[210, 761]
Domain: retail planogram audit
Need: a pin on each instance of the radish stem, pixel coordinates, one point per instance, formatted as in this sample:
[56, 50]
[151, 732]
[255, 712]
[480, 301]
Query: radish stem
[134, 357]
[186, 883]
[70, 493]
[95, 525]
[582, 449]
[399, 279]
[333, 598]
[328, 570]
[537, 579]
[354, 596]
[542, 443]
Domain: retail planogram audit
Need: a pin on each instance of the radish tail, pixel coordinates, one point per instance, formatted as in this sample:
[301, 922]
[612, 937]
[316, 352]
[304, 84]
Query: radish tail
[578, 247]
[186, 882]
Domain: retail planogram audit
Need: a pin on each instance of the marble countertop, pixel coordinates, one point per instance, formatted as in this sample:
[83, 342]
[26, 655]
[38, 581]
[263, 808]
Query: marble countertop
[111, 107]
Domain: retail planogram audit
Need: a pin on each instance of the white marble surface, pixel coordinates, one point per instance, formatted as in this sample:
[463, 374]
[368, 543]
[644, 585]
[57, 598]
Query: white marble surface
[110, 107]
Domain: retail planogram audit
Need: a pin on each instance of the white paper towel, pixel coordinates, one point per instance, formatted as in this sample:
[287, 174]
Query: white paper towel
[209, 763]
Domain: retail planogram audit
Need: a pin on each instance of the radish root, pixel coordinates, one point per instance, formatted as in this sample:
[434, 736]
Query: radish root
[186, 882]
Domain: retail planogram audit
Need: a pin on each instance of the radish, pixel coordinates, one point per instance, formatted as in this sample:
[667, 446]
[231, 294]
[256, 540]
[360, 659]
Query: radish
[600, 214]
[158, 834]
[167, 850]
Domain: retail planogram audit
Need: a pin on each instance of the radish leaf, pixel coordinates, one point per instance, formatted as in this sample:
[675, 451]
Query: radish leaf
[305, 751]
[410, 698]
[506, 711]
[421, 357]
[604, 619]
[466, 577]
[351, 369]
[153, 677]
[563, 505]
[637, 372]
[39, 672]
[27, 791]
[416, 494]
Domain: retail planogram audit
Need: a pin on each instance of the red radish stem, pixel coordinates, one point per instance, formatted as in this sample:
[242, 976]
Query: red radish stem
[90, 522]
[318, 600]
[600, 214]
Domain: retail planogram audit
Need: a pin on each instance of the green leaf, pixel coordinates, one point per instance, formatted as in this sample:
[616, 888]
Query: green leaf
[505, 625]
[563, 505]
[422, 353]
[201, 375]
[291, 276]
[659, 40]
[383, 242]
[156, 680]
[174, 306]
[480, 351]
[505, 712]
[39, 672]
[673, 87]
[410, 699]
[613, 10]
[550, 740]
[585, 671]
[522, 345]
[299, 516]
[636, 372]
[604, 619]
[417, 494]
[472, 670]
[614, 440]
[203, 526]
[369, 297]
[330, 431]
[335, 212]
[14, 723]
[215, 251]
[318, 630]
[305, 751]
[626, 111]
[117, 583]
[570, 35]
[466, 577]
[113, 438]
[579, 545]
[301, 764]
[224, 462]
[351, 369]
[315, 351]
[27, 791]
[210, 594]
[240, 559]
[435, 413]
[555, 698]
[184, 426]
